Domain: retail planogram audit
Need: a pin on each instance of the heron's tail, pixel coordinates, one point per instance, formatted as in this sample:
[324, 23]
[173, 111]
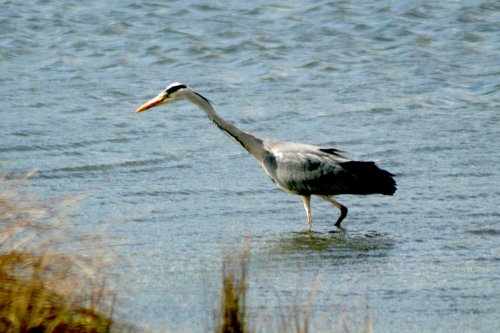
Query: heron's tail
[367, 178]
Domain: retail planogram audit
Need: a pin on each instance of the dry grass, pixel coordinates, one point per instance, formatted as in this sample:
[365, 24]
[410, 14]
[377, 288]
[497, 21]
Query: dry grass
[53, 279]
[49, 279]
[296, 318]
[234, 288]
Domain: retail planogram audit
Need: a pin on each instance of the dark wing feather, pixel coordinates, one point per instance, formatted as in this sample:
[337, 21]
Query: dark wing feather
[332, 151]
[325, 172]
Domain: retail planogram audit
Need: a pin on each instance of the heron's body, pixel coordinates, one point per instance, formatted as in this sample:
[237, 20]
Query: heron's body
[300, 169]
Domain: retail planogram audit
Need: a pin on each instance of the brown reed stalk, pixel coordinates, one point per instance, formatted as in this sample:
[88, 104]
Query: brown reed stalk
[50, 278]
[234, 287]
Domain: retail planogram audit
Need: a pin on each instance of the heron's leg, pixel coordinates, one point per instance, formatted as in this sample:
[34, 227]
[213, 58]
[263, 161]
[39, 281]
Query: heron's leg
[306, 199]
[343, 209]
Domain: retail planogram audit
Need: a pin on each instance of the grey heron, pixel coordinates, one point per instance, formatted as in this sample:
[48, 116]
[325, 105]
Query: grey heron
[297, 168]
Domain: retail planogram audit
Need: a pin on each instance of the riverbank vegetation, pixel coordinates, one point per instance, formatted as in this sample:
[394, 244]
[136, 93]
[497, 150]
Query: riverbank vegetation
[55, 279]
[51, 278]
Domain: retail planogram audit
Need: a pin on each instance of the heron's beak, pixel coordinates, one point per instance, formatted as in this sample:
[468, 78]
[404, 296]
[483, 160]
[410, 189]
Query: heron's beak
[151, 103]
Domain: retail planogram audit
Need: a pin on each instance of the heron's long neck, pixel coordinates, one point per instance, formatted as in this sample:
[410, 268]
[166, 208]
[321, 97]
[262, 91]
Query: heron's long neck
[251, 143]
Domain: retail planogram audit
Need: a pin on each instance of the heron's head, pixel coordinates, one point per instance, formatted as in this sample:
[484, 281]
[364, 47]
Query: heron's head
[174, 92]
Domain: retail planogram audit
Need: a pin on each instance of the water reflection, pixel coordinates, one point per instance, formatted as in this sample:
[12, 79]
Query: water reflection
[338, 241]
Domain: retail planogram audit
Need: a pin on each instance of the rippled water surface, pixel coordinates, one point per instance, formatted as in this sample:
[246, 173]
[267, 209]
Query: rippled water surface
[412, 85]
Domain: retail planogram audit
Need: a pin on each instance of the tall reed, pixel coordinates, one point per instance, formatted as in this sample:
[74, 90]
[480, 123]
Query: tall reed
[294, 317]
[234, 288]
[51, 279]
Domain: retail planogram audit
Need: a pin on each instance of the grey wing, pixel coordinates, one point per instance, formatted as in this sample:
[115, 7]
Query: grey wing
[308, 172]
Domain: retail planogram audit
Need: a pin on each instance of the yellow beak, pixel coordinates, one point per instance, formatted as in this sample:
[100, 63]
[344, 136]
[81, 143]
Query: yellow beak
[151, 103]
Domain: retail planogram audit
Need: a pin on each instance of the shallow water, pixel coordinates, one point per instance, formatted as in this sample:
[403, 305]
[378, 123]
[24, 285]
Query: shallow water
[413, 86]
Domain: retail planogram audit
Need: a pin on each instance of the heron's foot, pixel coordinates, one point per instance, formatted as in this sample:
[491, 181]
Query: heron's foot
[305, 232]
[339, 231]
[343, 214]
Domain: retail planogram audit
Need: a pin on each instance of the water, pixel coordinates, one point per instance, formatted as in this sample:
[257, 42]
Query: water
[414, 86]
